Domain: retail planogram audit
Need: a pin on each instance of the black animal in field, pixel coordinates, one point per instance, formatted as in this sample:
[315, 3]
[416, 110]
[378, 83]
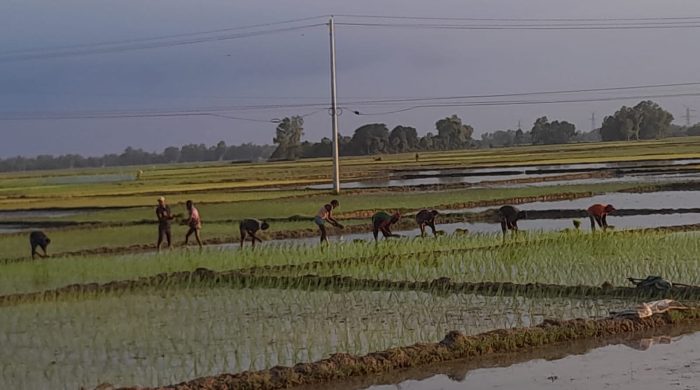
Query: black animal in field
[41, 240]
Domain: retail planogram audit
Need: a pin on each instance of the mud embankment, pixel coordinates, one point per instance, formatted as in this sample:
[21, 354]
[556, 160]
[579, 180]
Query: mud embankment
[203, 277]
[455, 345]
[458, 370]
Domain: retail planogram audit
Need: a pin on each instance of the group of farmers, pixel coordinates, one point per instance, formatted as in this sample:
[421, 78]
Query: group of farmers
[381, 222]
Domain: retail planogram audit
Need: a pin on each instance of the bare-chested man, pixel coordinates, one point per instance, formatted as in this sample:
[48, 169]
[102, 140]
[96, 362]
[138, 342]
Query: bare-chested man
[325, 214]
[194, 223]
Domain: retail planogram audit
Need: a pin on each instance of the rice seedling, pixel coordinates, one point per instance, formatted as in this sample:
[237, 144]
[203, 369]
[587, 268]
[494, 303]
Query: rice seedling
[176, 334]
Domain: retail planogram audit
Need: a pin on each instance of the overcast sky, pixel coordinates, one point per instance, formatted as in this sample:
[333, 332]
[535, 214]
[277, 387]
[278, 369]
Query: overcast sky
[292, 67]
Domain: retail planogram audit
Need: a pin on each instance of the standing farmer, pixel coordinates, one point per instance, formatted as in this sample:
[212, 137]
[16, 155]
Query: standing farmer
[426, 218]
[194, 222]
[382, 221]
[164, 217]
[325, 214]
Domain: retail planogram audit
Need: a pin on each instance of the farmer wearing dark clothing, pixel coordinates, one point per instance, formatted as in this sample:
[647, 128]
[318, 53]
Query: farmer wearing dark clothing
[382, 221]
[325, 214]
[250, 227]
[38, 239]
[426, 218]
[509, 217]
[598, 214]
[164, 217]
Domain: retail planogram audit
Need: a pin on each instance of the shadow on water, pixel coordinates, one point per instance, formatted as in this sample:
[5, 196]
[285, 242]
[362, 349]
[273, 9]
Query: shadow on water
[664, 358]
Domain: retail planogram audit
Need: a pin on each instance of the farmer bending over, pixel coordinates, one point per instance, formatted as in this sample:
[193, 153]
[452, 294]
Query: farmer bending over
[38, 239]
[426, 218]
[382, 221]
[325, 214]
[194, 222]
[598, 213]
[250, 227]
[509, 216]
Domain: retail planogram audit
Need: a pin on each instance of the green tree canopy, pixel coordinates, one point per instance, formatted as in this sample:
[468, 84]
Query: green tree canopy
[545, 132]
[453, 134]
[288, 138]
[646, 120]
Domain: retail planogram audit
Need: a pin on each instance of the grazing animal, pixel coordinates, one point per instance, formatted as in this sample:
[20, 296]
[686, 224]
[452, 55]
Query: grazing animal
[41, 240]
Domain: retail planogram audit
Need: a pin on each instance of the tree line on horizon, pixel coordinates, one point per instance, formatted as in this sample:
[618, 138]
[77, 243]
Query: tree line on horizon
[646, 120]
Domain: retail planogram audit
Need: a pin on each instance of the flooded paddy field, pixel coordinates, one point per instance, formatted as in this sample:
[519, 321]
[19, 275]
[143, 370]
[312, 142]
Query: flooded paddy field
[173, 335]
[645, 171]
[651, 362]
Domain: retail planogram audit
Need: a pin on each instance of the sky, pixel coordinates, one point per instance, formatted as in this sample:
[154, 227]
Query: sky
[292, 67]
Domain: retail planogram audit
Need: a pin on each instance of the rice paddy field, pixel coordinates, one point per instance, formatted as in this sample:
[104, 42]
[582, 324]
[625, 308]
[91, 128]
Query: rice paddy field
[105, 308]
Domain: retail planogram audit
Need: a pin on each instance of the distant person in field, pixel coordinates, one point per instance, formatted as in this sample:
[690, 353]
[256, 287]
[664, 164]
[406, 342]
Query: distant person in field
[426, 218]
[250, 227]
[325, 214]
[164, 218]
[509, 216]
[194, 222]
[598, 214]
[38, 239]
[382, 221]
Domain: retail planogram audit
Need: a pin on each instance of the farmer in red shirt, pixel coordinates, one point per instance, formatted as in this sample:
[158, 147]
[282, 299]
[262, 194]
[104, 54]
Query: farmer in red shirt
[598, 213]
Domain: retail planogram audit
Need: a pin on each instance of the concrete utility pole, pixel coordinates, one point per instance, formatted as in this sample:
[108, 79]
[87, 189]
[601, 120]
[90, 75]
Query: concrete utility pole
[334, 113]
[593, 121]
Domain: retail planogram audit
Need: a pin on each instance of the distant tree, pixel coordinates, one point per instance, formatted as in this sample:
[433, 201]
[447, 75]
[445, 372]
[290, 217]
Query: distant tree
[219, 151]
[646, 120]
[171, 154]
[288, 138]
[427, 142]
[370, 139]
[403, 139]
[693, 130]
[453, 134]
[545, 132]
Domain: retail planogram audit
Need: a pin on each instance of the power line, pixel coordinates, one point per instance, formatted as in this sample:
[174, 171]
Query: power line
[164, 114]
[516, 19]
[151, 45]
[518, 27]
[524, 102]
[551, 92]
[321, 106]
[159, 37]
